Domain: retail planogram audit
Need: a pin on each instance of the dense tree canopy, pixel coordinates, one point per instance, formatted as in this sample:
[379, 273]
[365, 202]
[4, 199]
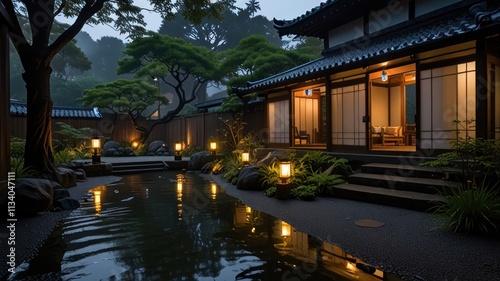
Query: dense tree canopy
[255, 58]
[220, 35]
[131, 97]
[173, 61]
[37, 48]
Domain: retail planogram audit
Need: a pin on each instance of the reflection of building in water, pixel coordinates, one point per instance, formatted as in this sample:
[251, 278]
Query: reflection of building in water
[317, 255]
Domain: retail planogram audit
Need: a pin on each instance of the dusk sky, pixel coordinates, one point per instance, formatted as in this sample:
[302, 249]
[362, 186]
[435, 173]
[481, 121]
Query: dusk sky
[280, 9]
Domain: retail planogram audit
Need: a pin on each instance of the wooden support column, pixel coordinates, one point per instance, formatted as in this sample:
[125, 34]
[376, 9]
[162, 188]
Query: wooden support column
[328, 100]
[481, 90]
[4, 103]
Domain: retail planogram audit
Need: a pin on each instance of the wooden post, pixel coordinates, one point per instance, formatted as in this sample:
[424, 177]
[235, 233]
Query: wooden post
[4, 104]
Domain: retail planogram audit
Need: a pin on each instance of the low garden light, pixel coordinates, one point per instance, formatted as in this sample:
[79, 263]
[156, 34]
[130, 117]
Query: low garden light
[95, 145]
[213, 147]
[285, 171]
[245, 157]
[178, 151]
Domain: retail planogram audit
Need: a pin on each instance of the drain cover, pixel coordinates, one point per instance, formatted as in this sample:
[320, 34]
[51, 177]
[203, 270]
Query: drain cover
[368, 223]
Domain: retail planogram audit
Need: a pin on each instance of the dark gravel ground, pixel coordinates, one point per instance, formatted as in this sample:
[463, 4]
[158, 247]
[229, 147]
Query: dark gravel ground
[409, 244]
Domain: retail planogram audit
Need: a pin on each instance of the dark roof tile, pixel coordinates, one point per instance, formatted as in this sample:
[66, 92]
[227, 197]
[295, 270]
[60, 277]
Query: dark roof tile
[350, 53]
[19, 108]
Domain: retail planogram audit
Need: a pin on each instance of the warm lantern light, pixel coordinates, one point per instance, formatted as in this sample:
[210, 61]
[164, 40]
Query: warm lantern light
[384, 75]
[213, 147]
[178, 149]
[285, 171]
[178, 146]
[245, 157]
[135, 144]
[286, 229]
[95, 144]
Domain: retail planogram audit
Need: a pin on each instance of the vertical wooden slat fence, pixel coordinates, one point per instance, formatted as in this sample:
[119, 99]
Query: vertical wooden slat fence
[194, 131]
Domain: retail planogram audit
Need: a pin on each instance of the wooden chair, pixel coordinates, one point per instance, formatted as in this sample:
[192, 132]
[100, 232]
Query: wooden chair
[303, 135]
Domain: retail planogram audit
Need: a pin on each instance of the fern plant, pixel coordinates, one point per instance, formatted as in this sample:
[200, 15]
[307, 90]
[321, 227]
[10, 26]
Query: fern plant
[17, 166]
[324, 183]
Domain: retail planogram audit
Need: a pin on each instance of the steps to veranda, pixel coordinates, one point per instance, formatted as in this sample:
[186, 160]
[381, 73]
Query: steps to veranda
[405, 186]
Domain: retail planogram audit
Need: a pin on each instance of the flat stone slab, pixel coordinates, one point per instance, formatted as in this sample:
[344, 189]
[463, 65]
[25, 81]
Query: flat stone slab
[368, 223]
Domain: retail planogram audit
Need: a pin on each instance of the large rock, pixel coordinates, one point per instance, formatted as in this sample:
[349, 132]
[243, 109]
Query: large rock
[110, 148]
[113, 148]
[157, 147]
[66, 203]
[249, 178]
[67, 177]
[198, 160]
[33, 196]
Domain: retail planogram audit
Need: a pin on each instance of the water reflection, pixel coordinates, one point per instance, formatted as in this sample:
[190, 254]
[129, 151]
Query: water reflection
[167, 226]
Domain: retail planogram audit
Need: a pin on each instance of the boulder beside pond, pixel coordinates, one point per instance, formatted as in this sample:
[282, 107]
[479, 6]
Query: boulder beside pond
[40, 195]
[33, 196]
[200, 159]
[249, 178]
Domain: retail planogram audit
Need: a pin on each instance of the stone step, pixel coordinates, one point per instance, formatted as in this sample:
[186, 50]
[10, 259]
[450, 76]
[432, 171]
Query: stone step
[138, 167]
[423, 185]
[391, 197]
[411, 171]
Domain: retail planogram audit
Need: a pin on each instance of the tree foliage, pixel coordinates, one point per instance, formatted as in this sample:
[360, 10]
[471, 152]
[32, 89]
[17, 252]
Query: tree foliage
[173, 61]
[255, 58]
[220, 35]
[124, 96]
[37, 49]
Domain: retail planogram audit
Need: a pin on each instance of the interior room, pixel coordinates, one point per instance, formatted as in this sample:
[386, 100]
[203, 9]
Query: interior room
[393, 109]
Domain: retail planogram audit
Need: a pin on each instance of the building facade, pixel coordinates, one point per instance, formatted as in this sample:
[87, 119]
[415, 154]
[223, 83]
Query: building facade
[394, 76]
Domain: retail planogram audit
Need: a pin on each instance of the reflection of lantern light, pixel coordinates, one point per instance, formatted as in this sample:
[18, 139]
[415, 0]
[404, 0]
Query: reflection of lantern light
[97, 201]
[285, 171]
[350, 267]
[179, 185]
[248, 209]
[286, 229]
[213, 189]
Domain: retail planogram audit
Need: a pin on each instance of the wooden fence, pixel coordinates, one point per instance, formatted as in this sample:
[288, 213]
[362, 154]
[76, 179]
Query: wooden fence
[193, 131]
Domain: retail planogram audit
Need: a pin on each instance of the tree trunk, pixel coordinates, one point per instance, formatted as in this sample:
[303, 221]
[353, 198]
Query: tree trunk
[38, 151]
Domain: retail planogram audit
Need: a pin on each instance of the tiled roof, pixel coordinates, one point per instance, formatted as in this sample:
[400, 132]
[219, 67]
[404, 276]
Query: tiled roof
[349, 54]
[19, 108]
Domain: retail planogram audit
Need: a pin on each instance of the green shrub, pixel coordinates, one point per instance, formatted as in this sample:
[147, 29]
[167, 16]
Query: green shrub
[324, 183]
[270, 174]
[232, 165]
[305, 192]
[17, 147]
[191, 150]
[471, 210]
[17, 166]
[64, 156]
[270, 192]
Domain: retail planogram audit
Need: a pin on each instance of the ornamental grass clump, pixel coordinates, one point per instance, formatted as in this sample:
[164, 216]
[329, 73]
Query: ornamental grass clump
[471, 210]
[472, 203]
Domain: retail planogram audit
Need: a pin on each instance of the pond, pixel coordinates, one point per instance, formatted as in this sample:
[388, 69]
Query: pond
[171, 226]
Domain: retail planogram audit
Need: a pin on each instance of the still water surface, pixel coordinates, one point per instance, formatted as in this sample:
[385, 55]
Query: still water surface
[170, 226]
